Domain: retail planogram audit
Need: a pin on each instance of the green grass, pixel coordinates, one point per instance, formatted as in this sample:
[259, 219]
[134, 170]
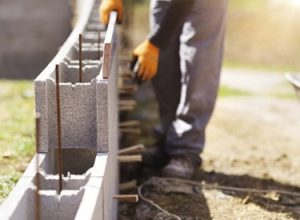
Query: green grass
[225, 91]
[16, 131]
[236, 64]
[253, 5]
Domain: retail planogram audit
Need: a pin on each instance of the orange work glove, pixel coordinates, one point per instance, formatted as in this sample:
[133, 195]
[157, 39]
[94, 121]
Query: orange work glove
[108, 6]
[147, 57]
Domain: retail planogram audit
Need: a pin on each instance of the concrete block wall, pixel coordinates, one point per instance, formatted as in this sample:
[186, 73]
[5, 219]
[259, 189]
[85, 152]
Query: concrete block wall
[89, 122]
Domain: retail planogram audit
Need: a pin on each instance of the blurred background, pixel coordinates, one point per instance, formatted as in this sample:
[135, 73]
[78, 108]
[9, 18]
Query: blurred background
[31, 33]
[263, 34]
[257, 119]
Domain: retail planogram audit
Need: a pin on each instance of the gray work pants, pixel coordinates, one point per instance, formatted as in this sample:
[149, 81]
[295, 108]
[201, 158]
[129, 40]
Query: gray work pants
[188, 75]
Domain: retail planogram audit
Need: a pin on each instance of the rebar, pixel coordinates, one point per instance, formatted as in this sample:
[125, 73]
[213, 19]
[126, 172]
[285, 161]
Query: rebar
[59, 151]
[99, 46]
[37, 178]
[80, 57]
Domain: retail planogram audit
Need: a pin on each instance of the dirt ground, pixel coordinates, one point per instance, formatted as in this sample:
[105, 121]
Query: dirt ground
[253, 142]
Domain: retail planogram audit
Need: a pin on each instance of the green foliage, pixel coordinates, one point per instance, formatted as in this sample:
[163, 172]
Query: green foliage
[7, 183]
[225, 91]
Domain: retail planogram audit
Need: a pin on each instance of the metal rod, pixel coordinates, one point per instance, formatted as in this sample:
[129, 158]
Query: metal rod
[133, 149]
[130, 158]
[127, 198]
[131, 123]
[99, 45]
[80, 57]
[134, 131]
[59, 153]
[128, 185]
[37, 178]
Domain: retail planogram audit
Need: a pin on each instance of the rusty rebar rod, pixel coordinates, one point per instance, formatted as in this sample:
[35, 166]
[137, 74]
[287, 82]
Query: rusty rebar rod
[99, 46]
[37, 177]
[59, 151]
[80, 57]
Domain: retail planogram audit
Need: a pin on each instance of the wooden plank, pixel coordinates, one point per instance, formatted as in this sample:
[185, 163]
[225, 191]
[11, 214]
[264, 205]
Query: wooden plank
[108, 44]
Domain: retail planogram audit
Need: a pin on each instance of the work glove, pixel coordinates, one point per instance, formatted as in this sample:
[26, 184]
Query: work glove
[108, 6]
[146, 54]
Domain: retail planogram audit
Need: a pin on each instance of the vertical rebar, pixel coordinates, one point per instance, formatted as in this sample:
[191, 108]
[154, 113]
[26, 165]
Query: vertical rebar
[80, 57]
[59, 153]
[99, 45]
[37, 178]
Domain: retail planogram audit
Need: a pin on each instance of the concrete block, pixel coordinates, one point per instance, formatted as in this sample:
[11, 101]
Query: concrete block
[80, 192]
[95, 26]
[102, 114]
[93, 37]
[92, 204]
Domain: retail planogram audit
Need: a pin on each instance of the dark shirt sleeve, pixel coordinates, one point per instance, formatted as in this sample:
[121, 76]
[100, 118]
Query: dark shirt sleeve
[176, 12]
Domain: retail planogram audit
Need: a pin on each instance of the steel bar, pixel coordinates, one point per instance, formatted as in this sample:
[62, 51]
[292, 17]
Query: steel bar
[37, 178]
[127, 104]
[59, 151]
[127, 108]
[134, 131]
[133, 149]
[130, 158]
[128, 185]
[99, 46]
[127, 198]
[132, 123]
[80, 57]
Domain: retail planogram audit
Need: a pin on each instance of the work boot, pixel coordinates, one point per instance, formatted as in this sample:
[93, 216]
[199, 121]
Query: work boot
[154, 157]
[180, 168]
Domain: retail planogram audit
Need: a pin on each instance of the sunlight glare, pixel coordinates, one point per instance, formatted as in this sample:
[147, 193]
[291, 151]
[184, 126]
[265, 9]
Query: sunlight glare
[289, 3]
[295, 3]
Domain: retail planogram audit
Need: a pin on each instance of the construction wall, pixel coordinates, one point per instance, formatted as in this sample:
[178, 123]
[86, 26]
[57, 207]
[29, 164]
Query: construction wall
[89, 129]
[31, 33]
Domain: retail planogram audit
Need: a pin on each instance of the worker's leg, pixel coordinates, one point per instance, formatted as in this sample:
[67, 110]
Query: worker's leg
[166, 83]
[201, 49]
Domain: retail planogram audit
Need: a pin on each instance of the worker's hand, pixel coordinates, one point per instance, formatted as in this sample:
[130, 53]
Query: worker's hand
[147, 57]
[108, 6]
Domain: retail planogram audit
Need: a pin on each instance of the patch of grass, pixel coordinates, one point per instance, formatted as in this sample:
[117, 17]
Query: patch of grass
[284, 95]
[253, 5]
[235, 64]
[16, 131]
[7, 183]
[225, 91]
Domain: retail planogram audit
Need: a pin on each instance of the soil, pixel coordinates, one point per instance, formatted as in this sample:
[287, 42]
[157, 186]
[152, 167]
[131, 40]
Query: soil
[253, 142]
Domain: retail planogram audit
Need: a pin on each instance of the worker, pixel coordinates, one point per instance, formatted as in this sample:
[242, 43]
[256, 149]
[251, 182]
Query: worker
[182, 56]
